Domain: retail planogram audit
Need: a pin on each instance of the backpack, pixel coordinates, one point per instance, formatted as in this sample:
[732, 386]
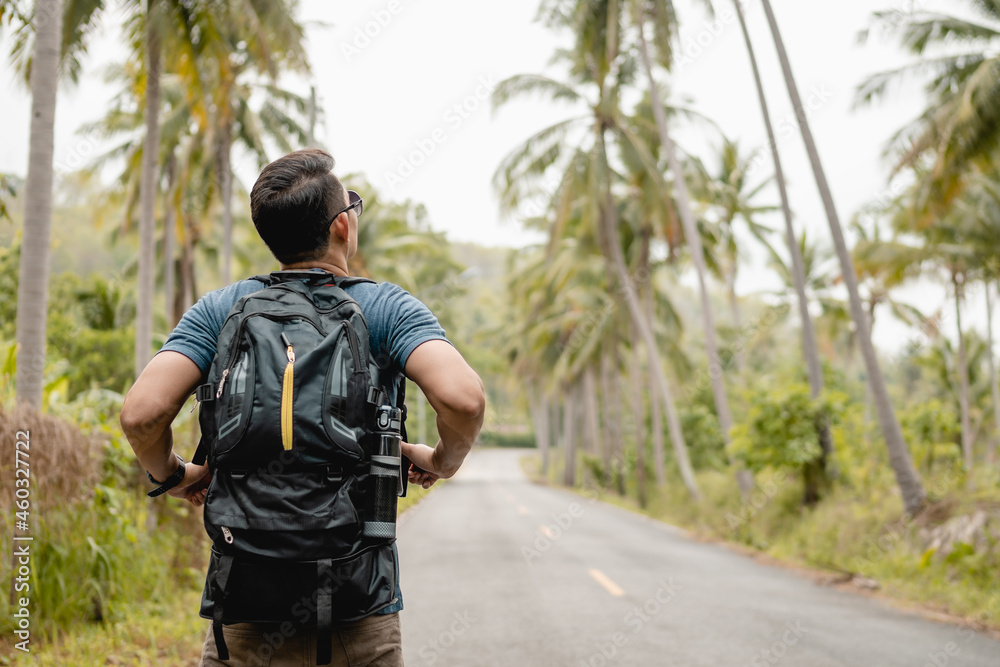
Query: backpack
[303, 449]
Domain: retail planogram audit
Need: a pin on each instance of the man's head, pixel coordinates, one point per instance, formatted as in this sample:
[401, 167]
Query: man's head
[294, 203]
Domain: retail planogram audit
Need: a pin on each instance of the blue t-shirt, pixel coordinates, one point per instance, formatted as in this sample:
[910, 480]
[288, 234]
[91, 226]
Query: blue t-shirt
[397, 323]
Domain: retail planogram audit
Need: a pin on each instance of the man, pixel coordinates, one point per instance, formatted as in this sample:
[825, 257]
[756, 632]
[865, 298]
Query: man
[310, 222]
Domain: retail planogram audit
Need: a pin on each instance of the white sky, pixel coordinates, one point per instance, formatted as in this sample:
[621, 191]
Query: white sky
[384, 98]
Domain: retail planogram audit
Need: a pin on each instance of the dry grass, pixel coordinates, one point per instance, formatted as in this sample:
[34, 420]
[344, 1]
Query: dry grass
[64, 462]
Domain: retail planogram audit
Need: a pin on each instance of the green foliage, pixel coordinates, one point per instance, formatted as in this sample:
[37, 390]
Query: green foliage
[703, 437]
[780, 430]
[10, 259]
[8, 183]
[495, 439]
[93, 559]
[89, 325]
[933, 432]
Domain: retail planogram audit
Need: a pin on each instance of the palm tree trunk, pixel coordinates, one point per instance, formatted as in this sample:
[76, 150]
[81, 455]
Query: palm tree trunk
[870, 323]
[609, 219]
[540, 410]
[147, 193]
[910, 485]
[226, 194]
[554, 442]
[638, 409]
[33, 270]
[169, 241]
[618, 469]
[809, 348]
[592, 421]
[569, 434]
[715, 368]
[991, 453]
[188, 287]
[655, 414]
[734, 309]
[610, 421]
[957, 280]
[646, 293]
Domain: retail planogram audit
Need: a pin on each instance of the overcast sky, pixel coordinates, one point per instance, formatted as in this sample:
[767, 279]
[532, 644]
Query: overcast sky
[403, 84]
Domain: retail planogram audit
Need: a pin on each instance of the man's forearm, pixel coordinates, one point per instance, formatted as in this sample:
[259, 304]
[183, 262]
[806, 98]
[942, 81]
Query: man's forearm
[457, 434]
[153, 446]
[151, 406]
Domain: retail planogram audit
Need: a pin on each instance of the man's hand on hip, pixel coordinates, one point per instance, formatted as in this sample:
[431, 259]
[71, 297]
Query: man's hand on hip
[421, 470]
[194, 486]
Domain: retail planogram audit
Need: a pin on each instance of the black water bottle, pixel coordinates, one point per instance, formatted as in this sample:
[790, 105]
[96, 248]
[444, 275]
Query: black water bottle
[384, 481]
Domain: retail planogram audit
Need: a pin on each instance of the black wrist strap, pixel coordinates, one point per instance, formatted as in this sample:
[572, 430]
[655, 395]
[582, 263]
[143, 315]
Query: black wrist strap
[169, 482]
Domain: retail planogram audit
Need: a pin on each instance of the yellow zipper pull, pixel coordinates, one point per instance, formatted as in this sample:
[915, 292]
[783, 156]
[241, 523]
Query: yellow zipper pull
[287, 387]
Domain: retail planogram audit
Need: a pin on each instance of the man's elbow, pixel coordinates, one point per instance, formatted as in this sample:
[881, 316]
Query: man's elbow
[136, 419]
[475, 409]
[469, 401]
[464, 399]
[130, 419]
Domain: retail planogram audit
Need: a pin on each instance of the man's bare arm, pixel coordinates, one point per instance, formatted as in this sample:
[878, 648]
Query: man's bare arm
[457, 395]
[149, 409]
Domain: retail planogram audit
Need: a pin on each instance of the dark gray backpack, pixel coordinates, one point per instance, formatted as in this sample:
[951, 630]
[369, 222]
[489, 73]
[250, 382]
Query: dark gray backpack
[301, 507]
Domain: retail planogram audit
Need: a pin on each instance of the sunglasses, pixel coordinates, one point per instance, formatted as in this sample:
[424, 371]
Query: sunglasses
[356, 202]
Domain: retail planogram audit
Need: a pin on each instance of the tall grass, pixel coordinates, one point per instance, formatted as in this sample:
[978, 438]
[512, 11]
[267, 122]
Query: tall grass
[99, 545]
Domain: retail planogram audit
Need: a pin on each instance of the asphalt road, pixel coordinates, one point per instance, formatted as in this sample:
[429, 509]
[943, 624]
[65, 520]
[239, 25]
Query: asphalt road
[498, 571]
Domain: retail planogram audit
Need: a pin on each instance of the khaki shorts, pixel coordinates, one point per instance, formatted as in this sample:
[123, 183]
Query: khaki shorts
[374, 641]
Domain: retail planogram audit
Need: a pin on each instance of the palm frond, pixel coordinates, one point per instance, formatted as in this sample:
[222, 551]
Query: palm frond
[527, 84]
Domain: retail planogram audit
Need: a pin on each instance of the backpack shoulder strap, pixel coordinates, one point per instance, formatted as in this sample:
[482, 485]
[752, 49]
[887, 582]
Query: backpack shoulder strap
[262, 278]
[347, 281]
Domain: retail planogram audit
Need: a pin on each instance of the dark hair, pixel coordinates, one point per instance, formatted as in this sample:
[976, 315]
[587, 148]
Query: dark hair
[293, 202]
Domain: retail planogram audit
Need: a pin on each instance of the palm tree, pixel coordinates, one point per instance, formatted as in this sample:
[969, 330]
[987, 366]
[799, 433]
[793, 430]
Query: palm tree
[810, 351]
[946, 247]
[821, 280]
[148, 190]
[961, 125]
[992, 366]
[189, 151]
[910, 485]
[146, 29]
[945, 362]
[587, 170]
[255, 39]
[641, 15]
[984, 234]
[726, 195]
[598, 27]
[33, 271]
[198, 23]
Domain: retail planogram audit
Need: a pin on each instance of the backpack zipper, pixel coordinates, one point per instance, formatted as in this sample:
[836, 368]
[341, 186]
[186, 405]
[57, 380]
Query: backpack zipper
[287, 388]
[231, 360]
[227, 535]
[355, 351]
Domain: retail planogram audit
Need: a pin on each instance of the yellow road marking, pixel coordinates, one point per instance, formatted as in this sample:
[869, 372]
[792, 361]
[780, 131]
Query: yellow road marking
[547, 532]
[522, 510]
[609, 586]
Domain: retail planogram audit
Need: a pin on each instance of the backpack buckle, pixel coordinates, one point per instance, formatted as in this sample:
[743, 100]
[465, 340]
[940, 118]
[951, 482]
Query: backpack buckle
[205, 393]
[334, 475]
[376, 396]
